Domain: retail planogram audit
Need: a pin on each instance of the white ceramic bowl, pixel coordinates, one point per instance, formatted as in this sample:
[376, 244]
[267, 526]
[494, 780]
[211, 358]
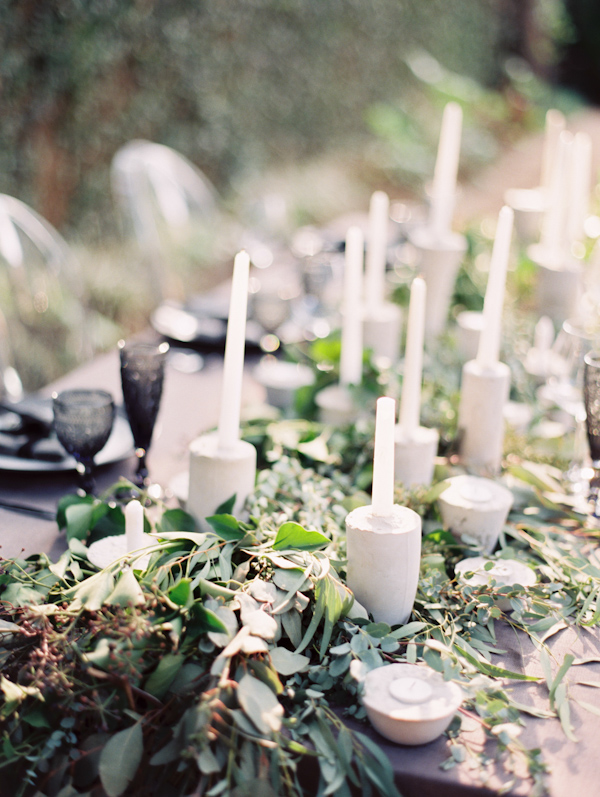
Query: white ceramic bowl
[505, 572]
[475, 507]
[409, 704]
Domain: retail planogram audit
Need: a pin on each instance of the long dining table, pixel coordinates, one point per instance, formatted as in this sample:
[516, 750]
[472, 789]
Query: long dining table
[189, 407]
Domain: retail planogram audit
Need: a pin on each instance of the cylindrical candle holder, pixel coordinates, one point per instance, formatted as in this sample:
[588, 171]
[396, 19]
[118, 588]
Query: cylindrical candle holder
[475, 507]
[438, 262]
[469, 324]
[384, 555]
[336, 405]
[414, 455]
[484, 392]
[559, 290]
[282, 379]
[529, 206]
[217, 475]
[381, 331]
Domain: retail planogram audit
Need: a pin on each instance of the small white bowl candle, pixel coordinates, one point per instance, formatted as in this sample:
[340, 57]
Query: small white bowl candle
[409, 704]
[475, 507]
[505, 572]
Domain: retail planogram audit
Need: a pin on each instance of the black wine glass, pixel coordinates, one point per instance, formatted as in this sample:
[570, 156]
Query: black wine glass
[142, 376]
[591, 397]
[83, 420]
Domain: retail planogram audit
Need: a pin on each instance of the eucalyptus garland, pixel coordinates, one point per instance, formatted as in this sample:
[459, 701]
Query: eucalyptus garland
[217, 668]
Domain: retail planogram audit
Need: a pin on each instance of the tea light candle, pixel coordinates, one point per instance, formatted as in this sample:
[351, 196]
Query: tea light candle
[383, 458]
[489, 341]
[411, 690]
[134, 526]
[475, 507]
[233, 365]
[352, 334]
[505, 573]
[377, 249]
[410, 402]
[446, 169]
[410, 704]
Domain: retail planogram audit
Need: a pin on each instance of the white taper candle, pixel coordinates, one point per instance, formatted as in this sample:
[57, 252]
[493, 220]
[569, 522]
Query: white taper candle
[555, 124]
[352, 322]
[383, 458]
[377, 235]
[446, 170]
[581, 176]
[410, 400]
[134, 526]
[489, 341]
[233, 365]
[554, 223]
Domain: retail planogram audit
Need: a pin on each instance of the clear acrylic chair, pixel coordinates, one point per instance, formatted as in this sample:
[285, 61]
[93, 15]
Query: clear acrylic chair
[43, 330]
[170, 206]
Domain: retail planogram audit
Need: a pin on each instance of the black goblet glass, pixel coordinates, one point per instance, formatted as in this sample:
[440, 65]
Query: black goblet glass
[83, 420]
[142, 376]
[591, 397]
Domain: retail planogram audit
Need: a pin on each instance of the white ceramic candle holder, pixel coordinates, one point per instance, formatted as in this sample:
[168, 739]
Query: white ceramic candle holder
[469, 325]
[217, 475]
[281, 380]
[505, 572]
[559, 289]
[409, 704]
[438, 262]
[484, 392]
[475, 507]
[529, 206]
[336, 405]
[384, 555]
[414, 455]
[381, 331]
[107, 550]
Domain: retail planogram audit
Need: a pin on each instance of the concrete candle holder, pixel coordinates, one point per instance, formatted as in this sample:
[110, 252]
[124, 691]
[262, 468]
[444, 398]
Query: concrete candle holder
[384, 555]
[438, 262]
[414, 455]
[217, 475]
[107, 550]
[484, 392]
[475, 507]
[559, 283]
[409, 704]
[381, 331]
[505, 572]
[281, 380]
[469, 325]
[336, 405]
[529, 206]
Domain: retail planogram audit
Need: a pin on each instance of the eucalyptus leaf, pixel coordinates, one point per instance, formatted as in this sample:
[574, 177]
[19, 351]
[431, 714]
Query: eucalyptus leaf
[259, 704]
[286, 662]
[159, 681]
[127, 591]
[120, 758]
[226, 527]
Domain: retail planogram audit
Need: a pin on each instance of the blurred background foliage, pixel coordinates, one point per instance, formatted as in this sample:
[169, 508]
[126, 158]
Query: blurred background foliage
[241, 88]
[318, 100]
